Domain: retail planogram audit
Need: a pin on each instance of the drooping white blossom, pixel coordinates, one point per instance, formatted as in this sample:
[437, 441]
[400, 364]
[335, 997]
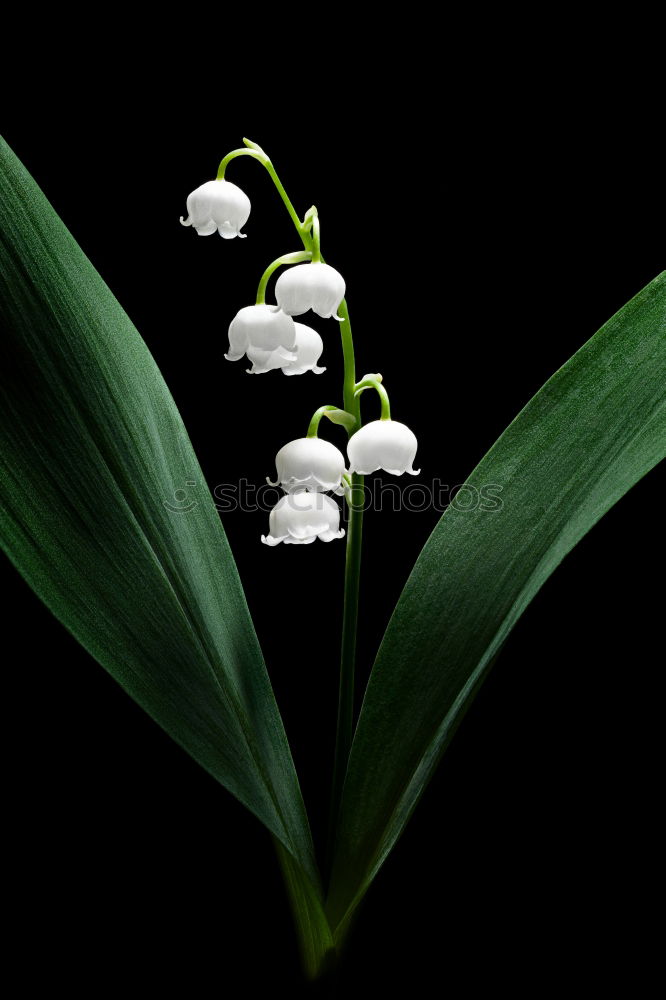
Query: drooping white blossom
[302, 357]
[309, 463]
[217, 205]
[315, 286]
[308, 347]
[268, 361]
[383, 444]
[265, 335]
[300, 518]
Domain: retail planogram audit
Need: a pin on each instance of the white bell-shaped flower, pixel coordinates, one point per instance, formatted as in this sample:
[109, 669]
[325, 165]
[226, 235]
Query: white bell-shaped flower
[302, 358]
[313, 286]
[383, 444]
[309, 463]
[217, 205]
[308, 347]
[260, 332]
[299, 518]
[268, 361]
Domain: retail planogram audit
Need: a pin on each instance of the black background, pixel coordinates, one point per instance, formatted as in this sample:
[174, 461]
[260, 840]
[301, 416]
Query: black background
[483, 241]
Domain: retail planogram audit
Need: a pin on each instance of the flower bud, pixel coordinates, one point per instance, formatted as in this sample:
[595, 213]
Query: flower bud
[299, 518]
[259, 331]
[309, 463]
[313, 286]
[383, 444]
[217, 205]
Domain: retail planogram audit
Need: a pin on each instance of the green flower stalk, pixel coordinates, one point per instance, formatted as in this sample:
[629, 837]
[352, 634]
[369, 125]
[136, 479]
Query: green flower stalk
[309, 467]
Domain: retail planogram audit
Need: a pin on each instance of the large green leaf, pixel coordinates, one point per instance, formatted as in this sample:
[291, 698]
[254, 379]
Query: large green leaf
[92, 449]
[589, 434]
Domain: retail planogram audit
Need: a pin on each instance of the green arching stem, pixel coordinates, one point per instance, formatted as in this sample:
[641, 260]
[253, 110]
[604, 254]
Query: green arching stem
[316, 251]
[313, 429]
[374, 382]
[345, 725]
[288, 258]
[290, 208]
[354, 497]
[255, 154]
[334, 414]
[351, 404]
[258, 154]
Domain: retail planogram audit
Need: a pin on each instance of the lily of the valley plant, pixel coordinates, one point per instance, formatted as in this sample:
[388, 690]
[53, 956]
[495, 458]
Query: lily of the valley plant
[156, 598]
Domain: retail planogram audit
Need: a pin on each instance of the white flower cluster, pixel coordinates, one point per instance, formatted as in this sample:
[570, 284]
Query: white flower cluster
[268, 335]
[309, 467]
[306, 469]
[271, 339]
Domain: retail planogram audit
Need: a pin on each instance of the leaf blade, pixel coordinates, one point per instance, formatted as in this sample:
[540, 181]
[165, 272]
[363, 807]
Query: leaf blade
[92, 450]
[591, 432]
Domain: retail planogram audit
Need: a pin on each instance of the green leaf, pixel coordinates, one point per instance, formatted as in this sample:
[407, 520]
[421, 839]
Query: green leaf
[92, 452]
[337, 416]
[317, 947]
[587, 437]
